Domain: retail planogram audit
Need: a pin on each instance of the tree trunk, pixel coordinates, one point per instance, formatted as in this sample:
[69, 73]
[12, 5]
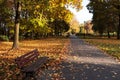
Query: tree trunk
[16, 28]
[109, 34]
[118, 32]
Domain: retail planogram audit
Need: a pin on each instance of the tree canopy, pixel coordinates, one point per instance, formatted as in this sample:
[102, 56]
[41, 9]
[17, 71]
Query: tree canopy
[36, 17]
[36, 14]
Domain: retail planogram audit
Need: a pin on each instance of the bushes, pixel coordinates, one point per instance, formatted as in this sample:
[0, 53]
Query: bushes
[4, 38]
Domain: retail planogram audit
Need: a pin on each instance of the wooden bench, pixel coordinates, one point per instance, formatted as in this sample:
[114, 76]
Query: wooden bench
[30, 63]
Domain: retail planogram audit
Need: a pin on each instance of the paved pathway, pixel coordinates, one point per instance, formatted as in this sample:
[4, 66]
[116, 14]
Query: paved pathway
[86, 62]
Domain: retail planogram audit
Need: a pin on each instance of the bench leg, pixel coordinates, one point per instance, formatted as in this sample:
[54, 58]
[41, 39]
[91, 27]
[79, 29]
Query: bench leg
[32, 75]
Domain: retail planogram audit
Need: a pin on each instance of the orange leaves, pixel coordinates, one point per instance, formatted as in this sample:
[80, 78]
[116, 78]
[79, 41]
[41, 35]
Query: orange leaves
[52, 47]
[8, 69]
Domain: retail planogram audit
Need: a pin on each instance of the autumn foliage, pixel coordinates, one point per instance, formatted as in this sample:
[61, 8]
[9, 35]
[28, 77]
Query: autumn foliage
[53, 48]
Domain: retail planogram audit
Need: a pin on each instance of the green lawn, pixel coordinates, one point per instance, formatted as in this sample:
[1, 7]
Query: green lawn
[110, 46]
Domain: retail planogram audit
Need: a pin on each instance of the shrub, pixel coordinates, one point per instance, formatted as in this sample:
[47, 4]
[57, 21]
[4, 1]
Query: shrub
[4, 38]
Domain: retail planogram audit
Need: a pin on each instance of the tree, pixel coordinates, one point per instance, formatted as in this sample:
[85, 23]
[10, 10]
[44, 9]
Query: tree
[105, 16]
[5, 18]
[60, 27]
[74, 26]
[116, 4]
[35, 16]
[88, 27]
[16, 28]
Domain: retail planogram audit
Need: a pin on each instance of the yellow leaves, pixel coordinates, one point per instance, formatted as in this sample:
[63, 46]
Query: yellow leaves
[58, 9]
[37, 6]
[61, 4]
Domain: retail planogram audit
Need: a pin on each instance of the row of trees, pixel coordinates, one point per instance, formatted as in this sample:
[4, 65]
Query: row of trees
[106, 16]
[37, 18]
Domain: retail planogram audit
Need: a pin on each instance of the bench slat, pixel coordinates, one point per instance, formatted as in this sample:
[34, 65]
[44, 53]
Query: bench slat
[30, 53]
[26, 58]
[26, 61]
[36, 65]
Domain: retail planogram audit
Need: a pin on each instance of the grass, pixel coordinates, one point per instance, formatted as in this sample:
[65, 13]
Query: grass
[51, 47]
[110, 46]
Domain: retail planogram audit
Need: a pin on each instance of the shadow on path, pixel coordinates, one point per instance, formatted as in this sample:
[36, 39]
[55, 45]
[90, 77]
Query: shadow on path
[85, 62]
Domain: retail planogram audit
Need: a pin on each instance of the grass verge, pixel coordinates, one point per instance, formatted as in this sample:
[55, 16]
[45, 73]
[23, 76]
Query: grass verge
[110, 46]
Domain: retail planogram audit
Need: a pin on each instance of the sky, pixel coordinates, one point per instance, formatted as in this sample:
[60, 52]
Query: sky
[82, 15]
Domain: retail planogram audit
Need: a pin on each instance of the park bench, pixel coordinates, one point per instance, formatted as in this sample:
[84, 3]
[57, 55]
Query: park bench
[30, 63]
